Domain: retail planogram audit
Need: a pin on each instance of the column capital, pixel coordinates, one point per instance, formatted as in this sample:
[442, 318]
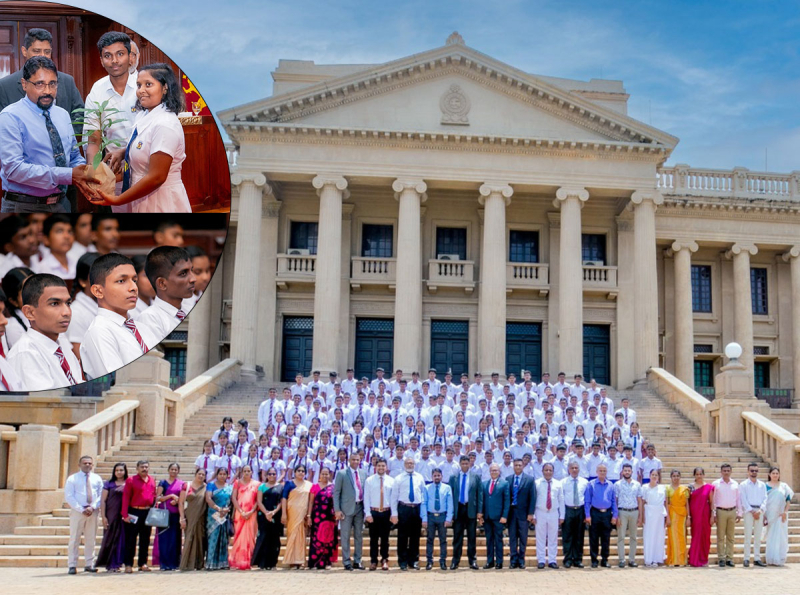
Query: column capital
[338, 182]
[256, 178]
[271, 209]
[739, 248]
[639, 196]
[679, 245]
[566, 192]
[501, 188]
[419, 186]
[791, 253]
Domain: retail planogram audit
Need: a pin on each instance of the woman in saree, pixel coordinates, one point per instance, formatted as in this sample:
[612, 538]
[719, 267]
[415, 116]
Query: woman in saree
[112, 550]
[245, 493]
[323, 530]
[294, 504]
[779, 498]
[677, 510]
[192, 509]
[218, 498]
[270, 528]
[701, 505]
[168, 493]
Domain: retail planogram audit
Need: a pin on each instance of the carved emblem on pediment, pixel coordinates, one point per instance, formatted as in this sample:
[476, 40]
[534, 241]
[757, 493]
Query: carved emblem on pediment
[455, 106]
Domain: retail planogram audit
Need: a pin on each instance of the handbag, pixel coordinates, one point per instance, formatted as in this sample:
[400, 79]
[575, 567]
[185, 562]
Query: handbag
[157, 517]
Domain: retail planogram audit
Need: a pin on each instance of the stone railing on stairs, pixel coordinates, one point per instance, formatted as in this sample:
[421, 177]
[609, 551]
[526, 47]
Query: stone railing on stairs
[684, 398]
[774, 444]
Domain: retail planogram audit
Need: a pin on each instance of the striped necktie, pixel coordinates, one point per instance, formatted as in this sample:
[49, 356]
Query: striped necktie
[4, 382]
[59, 156]
[64, 366]
[131, 326]
[180, 315]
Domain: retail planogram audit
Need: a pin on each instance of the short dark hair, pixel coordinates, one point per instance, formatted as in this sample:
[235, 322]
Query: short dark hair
[36, 63]
[82, 269]
[173, 99]
[11, 225]
[99, 218]
[196, 252]
[52, 220]
[13, 281]
[34, 35]
[104, 265]
[112, 37]
[139, 260]
[166, 224]
[35, 285]
[161, 261]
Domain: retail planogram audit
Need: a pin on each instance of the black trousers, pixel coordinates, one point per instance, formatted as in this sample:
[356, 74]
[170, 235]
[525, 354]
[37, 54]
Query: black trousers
[379, 532]
[517, 535]
[600, 534]
[462, 523]
[436, 526]
[140, 530]
[494, 540]
[409, 527]
[573, 534]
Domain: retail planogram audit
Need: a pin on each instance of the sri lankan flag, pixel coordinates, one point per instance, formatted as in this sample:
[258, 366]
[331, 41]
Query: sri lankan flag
[191, 94]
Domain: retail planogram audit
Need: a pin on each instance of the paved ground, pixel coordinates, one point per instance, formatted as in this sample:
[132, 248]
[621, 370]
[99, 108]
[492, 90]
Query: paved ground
[674, 581]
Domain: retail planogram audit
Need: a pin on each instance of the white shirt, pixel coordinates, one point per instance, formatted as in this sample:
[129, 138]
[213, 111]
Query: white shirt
[207, 462]
[11, 377]
[108, 345]
[141, 306]
[34, 359]
[556, 497]
[753, 495]
[567, 485]
[84, 311]
[51, 266]
[75, 493]
[15, 331]
[159, 131]
[12, 261]
[161, 316]
[79, 250]
[372, 492]
[401, 490]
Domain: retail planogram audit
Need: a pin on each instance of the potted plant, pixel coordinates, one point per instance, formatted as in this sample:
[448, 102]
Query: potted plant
[100, 119]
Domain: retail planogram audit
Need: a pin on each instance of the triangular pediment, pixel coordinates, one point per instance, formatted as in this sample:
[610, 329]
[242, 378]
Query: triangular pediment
[450, 90]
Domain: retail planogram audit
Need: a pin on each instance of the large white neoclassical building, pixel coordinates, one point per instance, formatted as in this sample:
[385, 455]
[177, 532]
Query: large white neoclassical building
[449, 210]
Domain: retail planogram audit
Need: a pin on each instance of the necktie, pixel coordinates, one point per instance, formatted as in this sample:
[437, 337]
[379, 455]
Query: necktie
[229, 467]
[516, 489]
[575, 492]
[436, 501]
[131, 326]
[4, 381]
[205, 463]
[358, 485]
[396, 411]
[411, 487]
[463, 496]
[549, 498]
[126, 169]
[64, 366]
[55, 141]
[88, 491]
[381, 501]
[2, 350]
[180, 315]
[440, 413]
[626, 416]
[491, 488]
[269, 420]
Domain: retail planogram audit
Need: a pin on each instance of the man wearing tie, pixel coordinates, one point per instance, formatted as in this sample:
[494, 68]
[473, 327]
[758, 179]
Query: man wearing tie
[468, 490]
[82, 493]
[348, 506]
[439, 508]
[408, 500]
[548, 516]
[520, 516]
[377, 507]
[496, 504]
[600, 507]
[573, 532]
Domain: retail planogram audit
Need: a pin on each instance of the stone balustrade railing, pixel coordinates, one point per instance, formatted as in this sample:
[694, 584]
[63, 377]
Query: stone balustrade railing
[740, 182]
[604, 277]
[774, 444]
[365, 270]
[527, 274]
[13, 460]
[297, 264]
[104, 431]
[195, 394]
[684, 398]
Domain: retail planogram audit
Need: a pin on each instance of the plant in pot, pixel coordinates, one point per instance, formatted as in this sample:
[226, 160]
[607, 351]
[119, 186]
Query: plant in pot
[99, 120]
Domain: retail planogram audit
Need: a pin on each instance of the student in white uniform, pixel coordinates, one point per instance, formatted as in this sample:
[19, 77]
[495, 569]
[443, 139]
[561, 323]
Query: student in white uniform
[9, 379]
[39, 359]
[170, 272]
[118, 91]
[113, 339]
[18, 241]
[146, 292]
[84, 306]
[58, 238]
[156, 149]
[12, 287]
[202, 269]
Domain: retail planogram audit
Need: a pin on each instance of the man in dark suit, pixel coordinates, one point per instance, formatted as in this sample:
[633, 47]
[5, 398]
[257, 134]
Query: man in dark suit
[468, 508]
[348, 507]
[39, 42]
[496, 504]
[520, 516]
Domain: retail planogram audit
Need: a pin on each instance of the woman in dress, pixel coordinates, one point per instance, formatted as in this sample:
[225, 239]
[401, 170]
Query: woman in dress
[294, 504]
[654, 497]
[324, 534]
[701, 505]
[156, 149]
[112, 550]
[779, 498]
[168, 493]
[270, 528]
[245, 492]
[218, 499]
[677, 510]
[192, 509]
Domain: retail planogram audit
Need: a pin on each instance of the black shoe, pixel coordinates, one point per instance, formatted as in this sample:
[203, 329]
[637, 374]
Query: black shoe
[730, 563]
[605, 564]
[622, 564]
[578, 565]
[403, 567]
[567, 564]
[443, 565]
[760, 563]
[90, 569]
[594, 564]
[722, 563]
[72, 571]
[429, 565]
[488, 565]
[415, 566]
[552, 565]
[358, 567]
[540, 566]
[453, 566]
[746, 563]
[348, 567]
[512, 565]
[472, 566]
[632, 564]
[521, 565]
[499, 566]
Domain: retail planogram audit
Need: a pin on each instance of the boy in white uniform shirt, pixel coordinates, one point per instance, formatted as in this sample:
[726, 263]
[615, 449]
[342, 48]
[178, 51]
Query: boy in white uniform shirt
[9, 379]
[58, 238]
[169, 270]
[113, 339]
[84, 306]
[628, 414]
[41, 358]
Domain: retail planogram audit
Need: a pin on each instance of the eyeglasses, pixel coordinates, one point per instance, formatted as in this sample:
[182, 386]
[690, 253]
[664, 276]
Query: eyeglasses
[40, 85]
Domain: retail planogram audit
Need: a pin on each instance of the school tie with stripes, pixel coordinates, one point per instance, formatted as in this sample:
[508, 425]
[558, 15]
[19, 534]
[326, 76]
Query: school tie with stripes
[65, 366]
[4, 382]
[131, 326]
[180, 315]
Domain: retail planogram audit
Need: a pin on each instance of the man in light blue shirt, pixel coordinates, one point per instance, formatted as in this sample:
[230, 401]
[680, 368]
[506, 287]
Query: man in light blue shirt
[437, 514]
[39, 154]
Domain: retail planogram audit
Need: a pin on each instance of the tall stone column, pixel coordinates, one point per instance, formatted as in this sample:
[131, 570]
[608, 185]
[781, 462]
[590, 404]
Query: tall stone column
[495, 197]
[327, 290]
[793, 257]
[684, 317]
[743, 300]
[199, 337]
[268, 291]
[570, 281]
[645, 312]
[244, 322]
[408, 293]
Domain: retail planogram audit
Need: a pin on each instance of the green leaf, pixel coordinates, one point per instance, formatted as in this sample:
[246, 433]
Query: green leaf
[98, 158]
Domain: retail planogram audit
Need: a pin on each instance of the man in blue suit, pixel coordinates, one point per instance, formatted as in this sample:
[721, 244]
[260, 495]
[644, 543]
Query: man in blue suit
[496, 505]
[520, 516]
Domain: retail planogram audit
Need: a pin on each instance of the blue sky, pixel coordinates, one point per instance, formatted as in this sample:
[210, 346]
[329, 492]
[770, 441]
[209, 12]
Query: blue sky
[724, 77]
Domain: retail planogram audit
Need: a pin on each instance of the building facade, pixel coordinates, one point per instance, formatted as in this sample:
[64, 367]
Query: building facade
[448, 210]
